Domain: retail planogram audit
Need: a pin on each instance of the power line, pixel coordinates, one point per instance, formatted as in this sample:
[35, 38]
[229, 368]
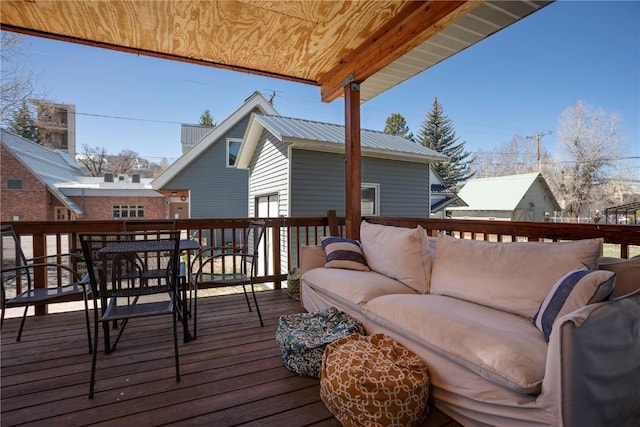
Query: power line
[128, 118]
[538, 136]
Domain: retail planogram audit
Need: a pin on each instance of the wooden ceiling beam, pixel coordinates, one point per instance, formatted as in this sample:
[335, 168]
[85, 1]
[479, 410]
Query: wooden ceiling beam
[417, 22]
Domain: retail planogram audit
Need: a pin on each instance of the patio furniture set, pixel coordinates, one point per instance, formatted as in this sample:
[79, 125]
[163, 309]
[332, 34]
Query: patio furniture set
[130, 275]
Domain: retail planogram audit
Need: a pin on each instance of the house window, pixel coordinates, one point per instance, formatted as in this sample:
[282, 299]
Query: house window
[63, 214]
[128, 211]
[233, 146]
[14, 184]
[370, 199]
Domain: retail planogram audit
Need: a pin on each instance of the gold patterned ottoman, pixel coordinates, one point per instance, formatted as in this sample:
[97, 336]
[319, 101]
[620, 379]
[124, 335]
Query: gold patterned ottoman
[374, 381]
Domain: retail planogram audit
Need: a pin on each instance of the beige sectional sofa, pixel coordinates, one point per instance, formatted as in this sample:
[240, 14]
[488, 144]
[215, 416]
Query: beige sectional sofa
[466, 308]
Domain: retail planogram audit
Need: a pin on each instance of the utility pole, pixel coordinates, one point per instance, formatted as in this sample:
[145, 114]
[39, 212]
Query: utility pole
[538, 136]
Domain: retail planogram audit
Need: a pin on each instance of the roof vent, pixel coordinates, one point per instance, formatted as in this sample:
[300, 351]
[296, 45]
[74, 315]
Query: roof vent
[108, 177]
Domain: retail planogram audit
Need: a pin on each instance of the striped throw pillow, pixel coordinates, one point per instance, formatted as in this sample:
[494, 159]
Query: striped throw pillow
[572, 291]
[344, 253]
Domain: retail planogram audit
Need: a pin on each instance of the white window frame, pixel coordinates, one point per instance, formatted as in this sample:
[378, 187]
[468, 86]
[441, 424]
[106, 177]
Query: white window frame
[376, 204]
[133, 211]
[229, 142]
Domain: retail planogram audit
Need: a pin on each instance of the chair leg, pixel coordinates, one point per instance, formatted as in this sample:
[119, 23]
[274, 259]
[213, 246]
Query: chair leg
[246, 296]
[195, 310]
[24, 317]
[94, 355]
[255, 300]
[86, 316]
[175, 344]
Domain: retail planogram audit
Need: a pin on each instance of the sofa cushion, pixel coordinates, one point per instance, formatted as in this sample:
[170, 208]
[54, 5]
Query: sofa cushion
[627, 273]
[311, 256]
[353, 288]
[572, 291]
[513, 277]
[343, 253]
[504, 348]
[399, 253]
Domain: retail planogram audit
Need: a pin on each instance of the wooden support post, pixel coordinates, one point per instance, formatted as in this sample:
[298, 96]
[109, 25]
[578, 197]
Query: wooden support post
[334, 229]
[352, 150]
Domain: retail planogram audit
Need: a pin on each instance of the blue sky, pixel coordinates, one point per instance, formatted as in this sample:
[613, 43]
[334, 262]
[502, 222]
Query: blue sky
[516, 82]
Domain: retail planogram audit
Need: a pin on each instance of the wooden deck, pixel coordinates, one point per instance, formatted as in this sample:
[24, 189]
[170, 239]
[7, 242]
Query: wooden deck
[231, 375]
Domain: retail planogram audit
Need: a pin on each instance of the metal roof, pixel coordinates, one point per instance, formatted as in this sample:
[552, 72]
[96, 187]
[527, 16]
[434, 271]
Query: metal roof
[501, 193]
[64, 178]
[297, 130]
[50, 166]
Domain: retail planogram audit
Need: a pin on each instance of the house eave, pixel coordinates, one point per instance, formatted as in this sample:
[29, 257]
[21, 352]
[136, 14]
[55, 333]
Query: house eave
[255, 101]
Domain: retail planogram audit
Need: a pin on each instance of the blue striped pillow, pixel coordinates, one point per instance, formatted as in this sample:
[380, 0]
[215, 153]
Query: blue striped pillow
[572, 291]
[344, 253]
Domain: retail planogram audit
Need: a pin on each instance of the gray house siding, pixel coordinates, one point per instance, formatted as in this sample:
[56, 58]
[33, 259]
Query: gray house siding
[318, 184]
[216, 190]
[404, 186]
[269, 173]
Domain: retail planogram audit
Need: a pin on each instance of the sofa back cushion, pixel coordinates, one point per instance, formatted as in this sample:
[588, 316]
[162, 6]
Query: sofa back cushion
[627, 273]
[399, 253]
[514, 277]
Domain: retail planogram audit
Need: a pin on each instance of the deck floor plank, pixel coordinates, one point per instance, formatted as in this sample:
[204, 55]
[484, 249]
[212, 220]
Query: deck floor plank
[231, 375]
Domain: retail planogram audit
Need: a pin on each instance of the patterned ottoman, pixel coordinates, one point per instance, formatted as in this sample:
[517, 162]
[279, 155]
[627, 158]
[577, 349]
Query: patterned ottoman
[303, 337]
[374, 381]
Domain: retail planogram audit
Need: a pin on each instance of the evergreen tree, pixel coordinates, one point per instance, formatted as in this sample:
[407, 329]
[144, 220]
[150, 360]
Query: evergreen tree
[206, 119]
[24, 124]
[438, 133]
[397, 125]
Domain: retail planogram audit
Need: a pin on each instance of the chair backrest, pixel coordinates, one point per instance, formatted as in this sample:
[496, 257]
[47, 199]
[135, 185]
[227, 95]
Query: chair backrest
[110, 255]
[252, 244]
[12, 256]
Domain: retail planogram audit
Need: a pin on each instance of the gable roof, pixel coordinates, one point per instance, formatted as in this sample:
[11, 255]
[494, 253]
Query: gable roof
[329, 137]
[256, 100]
[50, 167]
[501, 193]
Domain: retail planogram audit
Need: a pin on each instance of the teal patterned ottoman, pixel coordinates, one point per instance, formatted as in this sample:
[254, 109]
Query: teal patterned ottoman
[303, 337]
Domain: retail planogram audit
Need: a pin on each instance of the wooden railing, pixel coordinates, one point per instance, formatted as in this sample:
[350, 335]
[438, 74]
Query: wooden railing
[285, 236]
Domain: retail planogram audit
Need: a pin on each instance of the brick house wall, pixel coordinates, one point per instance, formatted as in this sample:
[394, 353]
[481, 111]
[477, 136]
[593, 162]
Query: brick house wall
[101, 208]
[32, 202]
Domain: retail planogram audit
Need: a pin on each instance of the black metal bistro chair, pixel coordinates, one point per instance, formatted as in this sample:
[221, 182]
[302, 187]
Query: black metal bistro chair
[218, 267]
[41, 280]
[120, 300]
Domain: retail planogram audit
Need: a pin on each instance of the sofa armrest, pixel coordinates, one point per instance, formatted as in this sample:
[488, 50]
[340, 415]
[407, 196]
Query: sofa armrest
[311, 257]
[593, 364]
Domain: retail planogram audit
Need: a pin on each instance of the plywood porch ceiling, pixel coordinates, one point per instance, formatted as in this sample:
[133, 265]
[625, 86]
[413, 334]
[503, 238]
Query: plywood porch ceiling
[325, 43]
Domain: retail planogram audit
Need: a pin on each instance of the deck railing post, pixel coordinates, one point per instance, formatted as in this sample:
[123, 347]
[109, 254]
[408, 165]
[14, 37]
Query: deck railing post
[275, 253]
[40, 274]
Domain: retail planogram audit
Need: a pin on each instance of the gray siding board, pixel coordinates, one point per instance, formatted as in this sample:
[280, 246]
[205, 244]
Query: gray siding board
[216, 190]
[269, 173]
[318, 184]
[404, 186]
